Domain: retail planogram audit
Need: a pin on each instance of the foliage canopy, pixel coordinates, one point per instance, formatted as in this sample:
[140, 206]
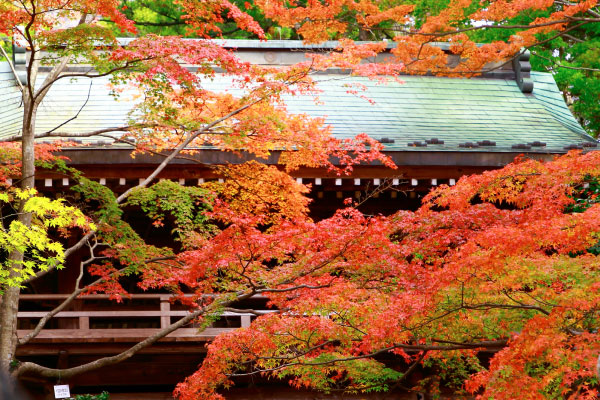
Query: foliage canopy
[504, 261]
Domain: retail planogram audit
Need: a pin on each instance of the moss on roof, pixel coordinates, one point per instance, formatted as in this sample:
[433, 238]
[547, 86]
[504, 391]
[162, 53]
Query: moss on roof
[453, 110]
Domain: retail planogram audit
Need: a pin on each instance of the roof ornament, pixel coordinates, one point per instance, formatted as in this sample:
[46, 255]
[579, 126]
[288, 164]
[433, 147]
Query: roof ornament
[574, 146]
[434, 141]
[522, 68]
[469, 145]
[537, 144]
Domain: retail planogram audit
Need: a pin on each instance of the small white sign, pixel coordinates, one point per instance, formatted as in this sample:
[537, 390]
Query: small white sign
[61, 391]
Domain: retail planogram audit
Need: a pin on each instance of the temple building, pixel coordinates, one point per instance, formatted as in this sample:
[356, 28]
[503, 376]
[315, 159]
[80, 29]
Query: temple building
[435, 129]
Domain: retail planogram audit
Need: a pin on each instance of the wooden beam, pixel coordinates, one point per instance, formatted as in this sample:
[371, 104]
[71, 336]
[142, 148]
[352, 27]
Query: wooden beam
[62, 296]
[108, 348]
[125, 313]
[121, 335]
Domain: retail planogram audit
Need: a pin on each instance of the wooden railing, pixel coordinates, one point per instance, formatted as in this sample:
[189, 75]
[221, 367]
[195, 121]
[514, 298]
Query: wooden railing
[96, 318]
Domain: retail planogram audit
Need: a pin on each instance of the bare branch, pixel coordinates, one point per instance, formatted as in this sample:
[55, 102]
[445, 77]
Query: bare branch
[559, 65]
[12, 68]
[42, 322]
[78, 112]
[49, 82]
[291, 289]
[78, 135]
[490, 344]
[489, 306]
[249, 311]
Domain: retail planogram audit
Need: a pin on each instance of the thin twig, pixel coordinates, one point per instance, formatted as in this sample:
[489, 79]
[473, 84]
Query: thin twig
[76, 115]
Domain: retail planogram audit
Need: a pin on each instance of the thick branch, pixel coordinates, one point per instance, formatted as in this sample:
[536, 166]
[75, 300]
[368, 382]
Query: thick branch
[49, 81]
[77, 135]
[33, 368]
[249, 311]
[161, 23]
[183, 145]
[52, 77]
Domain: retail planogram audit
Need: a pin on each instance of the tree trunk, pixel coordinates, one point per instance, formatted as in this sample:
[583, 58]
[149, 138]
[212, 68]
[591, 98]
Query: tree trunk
[8, 321]
[10, 298]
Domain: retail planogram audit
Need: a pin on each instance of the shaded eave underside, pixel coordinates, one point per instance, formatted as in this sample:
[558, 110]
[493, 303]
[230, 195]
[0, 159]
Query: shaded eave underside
[115, 157]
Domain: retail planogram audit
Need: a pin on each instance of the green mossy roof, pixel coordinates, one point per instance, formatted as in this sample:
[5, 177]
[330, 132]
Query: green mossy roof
[421, 107]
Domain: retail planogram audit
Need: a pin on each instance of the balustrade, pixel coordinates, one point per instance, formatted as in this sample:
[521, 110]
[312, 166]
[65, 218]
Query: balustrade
[96, 318]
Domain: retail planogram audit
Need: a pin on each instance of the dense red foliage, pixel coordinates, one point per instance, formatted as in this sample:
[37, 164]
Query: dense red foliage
[500, 259]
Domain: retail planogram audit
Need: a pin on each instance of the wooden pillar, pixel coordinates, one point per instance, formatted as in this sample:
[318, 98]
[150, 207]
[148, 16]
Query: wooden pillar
[246, 321]
[165, 308]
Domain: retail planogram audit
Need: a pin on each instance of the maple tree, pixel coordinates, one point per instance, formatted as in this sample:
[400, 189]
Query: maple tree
[504, 261]
[350, 287]
[176, 110]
